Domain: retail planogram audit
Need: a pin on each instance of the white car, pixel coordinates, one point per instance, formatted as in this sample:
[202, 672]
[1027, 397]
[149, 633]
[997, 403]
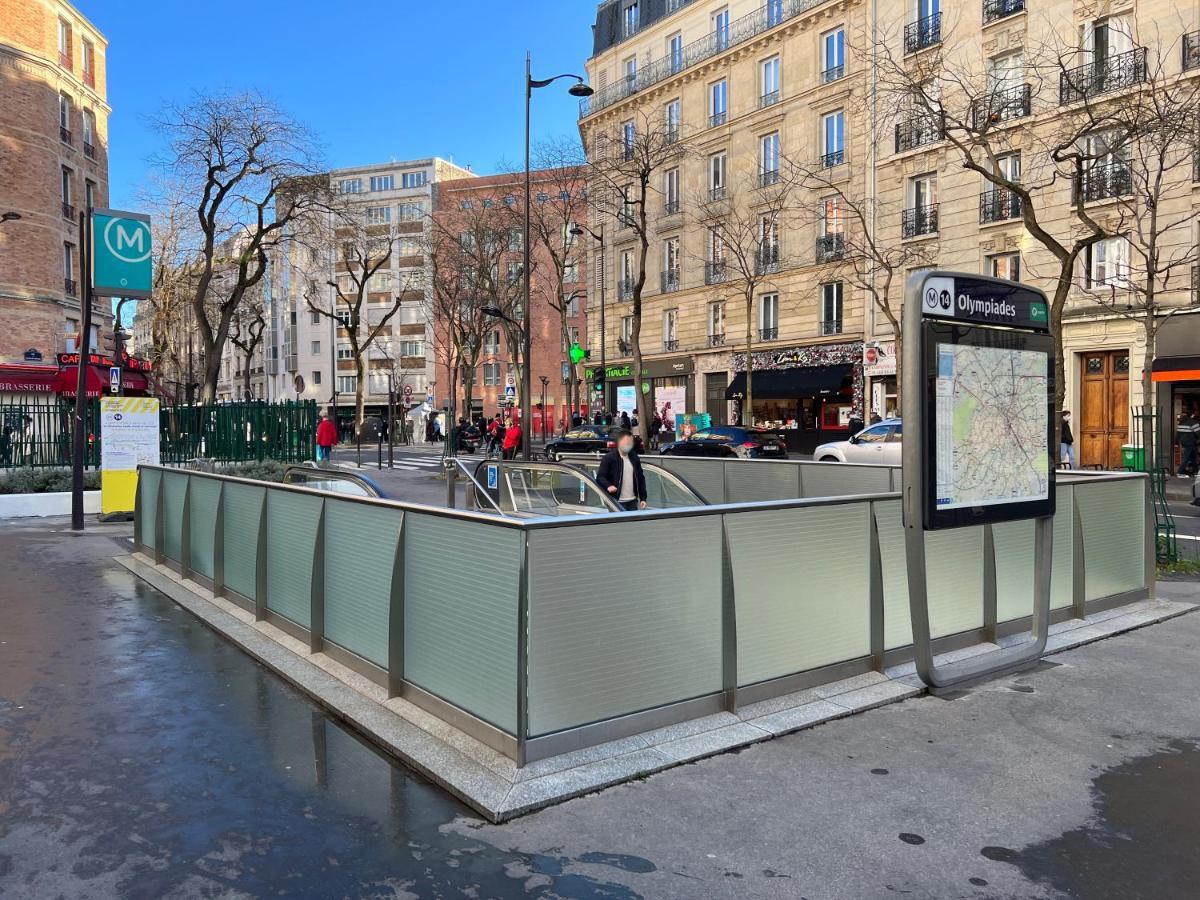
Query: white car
[878, 443]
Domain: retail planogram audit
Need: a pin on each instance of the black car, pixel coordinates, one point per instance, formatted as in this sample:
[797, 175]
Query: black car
[587, 439]
[730, 440]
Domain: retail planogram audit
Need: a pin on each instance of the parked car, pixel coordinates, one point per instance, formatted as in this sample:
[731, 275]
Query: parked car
[730, 440]
[878, 443]
[587, 439]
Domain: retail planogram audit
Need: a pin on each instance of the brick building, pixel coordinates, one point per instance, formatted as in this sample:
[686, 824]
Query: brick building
[494, 206]
[53, 165]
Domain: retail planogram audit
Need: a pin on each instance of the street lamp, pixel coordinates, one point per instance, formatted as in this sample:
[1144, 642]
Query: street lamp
[578, 89]
[545, 379]
[578, 230]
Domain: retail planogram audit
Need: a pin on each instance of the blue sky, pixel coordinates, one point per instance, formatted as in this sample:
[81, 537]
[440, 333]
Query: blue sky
[375, 80]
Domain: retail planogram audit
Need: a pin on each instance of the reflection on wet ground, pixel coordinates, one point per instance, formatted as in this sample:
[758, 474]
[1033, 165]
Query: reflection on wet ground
[142, 756]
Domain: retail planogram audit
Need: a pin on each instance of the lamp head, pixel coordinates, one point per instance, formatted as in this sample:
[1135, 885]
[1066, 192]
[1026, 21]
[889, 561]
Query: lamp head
[580, 89]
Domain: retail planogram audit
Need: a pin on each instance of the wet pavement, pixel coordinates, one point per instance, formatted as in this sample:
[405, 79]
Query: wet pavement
[142, 756]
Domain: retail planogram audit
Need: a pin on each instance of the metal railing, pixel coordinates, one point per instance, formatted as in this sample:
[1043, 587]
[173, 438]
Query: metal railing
[1105, 181]
[768, 178]
[830, 247]
[716, 119]
[999, 205]
[917, 132]
[68, 211]
[832, 159]
[717, 193]
[670, 345]
[670, 207]
[625, 288]
[994, 10]
[766, 260]
[833, 73]
[831, 326]
[1191, 51]
[919, 220]
[70, 287]
[1001, 105]
[64, 135]
[768, 99]
[670, 280]
[715, 272]
[768, 334]
[1104, 76]
[1196, 285]
[923, 33]
[716, 340]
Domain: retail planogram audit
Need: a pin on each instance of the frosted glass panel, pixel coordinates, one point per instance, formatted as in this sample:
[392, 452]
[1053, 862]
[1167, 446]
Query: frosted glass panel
[897, 620]
[839, 480]
[147, 510]
[205, 493]
[360, 549]
[291, 536]
[624, 616]
[1113, 517]
[706, 476]
[174, 490]
[243, 505]
[461, 589]
[761, 480]
[1014, 543]
[1062, 576]
[802, 588]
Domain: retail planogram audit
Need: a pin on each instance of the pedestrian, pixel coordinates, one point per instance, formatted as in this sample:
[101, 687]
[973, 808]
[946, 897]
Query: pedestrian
[437, 430]
[1187, 433]
[655, 430]
[875, 417]
[855, 424]
[6, 445]
[512, 441]
[633, 422]
[621, 475]
[326, 437]
[1066, 446]
[576, 420]
[625, 420]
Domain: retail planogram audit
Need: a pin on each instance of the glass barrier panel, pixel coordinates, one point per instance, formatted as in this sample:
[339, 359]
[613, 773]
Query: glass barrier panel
[839, 480]
[1062, 576]
[147, 511]
[761, 480]
[174, 490]
[707, 476]
[552, 491]
[360, 551]
[206, 492]
[1113, 516]
[292, 520]
[243, 506]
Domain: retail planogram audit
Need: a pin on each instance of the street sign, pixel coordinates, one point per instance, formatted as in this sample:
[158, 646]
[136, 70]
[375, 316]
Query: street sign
[114, 379]
[510, 390]
[33, 355]
[121, 263]
[407, 390]
[979, 441]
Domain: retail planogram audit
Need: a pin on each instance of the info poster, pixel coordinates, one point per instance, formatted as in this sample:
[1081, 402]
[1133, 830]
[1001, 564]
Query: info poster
[128, 438]
[670, 402]
[627, 400]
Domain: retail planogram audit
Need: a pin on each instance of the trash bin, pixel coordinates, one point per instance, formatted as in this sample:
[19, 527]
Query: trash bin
[1133, 457]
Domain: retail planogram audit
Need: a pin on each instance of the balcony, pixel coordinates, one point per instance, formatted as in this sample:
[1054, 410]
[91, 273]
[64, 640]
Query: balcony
[716, 340]
[1103, 77]
[832, 159]
[768, 334]
[831, 247]
[831, 326]
[768, 99]
[716, 193]
[995, 10]
[68, 211]
[1191, 51]
[768, 178]
[919, 220]
[89, 77]
[70, 287]
[1001, 105]
[998, 205]
[672, 135]
[715, 272]
[1106, 181]
[64, 135]
[917, 132]
[923, 33]
[833, 73]
[670, 345]
[625, 288]
[670, 280]
[671, 207]
[767, 259]
[717, 119]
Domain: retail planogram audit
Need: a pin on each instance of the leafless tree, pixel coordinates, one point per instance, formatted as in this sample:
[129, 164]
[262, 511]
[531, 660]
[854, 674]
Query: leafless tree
[246, 334]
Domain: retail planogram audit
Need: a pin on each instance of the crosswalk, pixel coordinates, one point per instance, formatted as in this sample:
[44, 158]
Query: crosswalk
[402, 461]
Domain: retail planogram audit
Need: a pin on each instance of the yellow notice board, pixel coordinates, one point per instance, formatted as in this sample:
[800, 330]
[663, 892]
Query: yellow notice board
[128, 439]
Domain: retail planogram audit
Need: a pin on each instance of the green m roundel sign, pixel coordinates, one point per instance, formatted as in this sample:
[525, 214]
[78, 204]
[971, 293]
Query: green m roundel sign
[121, 261]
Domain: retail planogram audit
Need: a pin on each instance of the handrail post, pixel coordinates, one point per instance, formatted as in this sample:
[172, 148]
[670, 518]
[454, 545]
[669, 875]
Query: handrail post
[523, 651]
[1151, 539]
[316, 590]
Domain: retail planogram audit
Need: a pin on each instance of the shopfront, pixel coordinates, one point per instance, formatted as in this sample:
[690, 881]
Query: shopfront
[667, 383]
[808, 394]
[879, 373]
[1176, 376]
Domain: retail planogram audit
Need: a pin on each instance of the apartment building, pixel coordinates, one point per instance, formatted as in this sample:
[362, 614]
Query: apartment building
[304, 348]
[753, 90]
[53, 166]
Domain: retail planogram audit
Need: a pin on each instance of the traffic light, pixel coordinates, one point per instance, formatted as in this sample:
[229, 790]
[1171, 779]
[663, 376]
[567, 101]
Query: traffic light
[598, 384]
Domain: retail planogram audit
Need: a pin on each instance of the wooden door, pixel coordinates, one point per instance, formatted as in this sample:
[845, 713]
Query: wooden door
[1102, 425]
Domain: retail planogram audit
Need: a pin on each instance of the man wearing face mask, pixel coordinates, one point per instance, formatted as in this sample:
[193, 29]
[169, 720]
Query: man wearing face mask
[620, 474]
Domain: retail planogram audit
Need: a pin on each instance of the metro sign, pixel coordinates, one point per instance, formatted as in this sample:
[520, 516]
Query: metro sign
[122, 264]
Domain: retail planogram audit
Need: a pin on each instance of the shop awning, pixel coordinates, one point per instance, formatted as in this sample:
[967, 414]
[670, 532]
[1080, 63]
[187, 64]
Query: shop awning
[28, 379]
[1176, 368]
[792, 384]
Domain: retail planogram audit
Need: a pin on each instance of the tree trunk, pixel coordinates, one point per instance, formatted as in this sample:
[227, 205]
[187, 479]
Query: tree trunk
[899, 372]
[360, 377]
[641, 398]
[748, 398]
[246, 394]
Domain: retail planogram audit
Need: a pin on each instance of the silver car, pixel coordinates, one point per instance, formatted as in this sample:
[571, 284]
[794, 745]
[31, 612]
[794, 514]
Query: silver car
[878, 443]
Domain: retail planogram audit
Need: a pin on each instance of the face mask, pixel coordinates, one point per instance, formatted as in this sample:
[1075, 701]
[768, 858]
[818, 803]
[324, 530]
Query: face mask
[625, 447]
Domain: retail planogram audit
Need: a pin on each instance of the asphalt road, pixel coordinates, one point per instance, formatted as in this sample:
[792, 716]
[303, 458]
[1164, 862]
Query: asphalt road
[142, 756]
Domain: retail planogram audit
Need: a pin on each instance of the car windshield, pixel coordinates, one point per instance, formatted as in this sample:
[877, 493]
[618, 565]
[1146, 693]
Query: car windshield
[874, 434]
[581, 434]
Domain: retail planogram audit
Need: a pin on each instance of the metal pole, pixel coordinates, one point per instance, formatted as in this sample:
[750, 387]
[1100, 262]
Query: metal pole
[526, 336]
[84, 348]
[391, 420]
[603, 329]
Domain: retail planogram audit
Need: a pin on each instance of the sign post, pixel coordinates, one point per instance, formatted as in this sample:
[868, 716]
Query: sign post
[978, 439]
[129, 437]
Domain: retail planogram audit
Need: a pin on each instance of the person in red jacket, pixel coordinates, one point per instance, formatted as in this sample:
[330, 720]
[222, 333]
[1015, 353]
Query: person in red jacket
[512, 440]
[326, 437]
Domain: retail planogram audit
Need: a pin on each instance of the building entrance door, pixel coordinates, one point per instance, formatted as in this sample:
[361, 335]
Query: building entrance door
[715, 403]
[1103, 422]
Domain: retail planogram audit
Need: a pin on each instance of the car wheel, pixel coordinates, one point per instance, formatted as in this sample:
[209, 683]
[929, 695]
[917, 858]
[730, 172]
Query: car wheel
[828, 459]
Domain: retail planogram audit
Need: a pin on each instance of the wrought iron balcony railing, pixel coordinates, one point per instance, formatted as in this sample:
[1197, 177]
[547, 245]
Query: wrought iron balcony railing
[772, 14]
[68, 211]
[833, 159]
[767, 259]
[69, 286]
[715, 272]
[923, 33]
[64, 135]
[1104, 181]
[672, 135]
[998, 205]
[919, 220]
[670, 207]
[917, 132]
[625, 288]
[833, 73]
[716, 340]
[770, 98]
[831, 326]
[1001, 105]
[768, 178]
[1191, 51]
[670, 280]
[717, 119]
[624, 346]
[716, 193]
[670, 345]
[995, 10]
[1103, 76]
[831, 247]
[89, 150]
[1196, 284]
[768, 334]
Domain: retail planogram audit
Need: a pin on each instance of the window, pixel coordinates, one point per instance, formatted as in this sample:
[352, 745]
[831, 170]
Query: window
[491, 374]
[670, 329]
[672, 116]
[769, 158]
[314, 317]
[89, 132]
[720, 23]
[350, 186]
[717, 167]
[491, 342]
[922, 191]
[768, 317]
[675, 51]
[379, 283]
[344, 352]
[69, 261]
[628, 139]
[72, 335]
[382, 182]
[316, 348]
[671, 191]
[716, 320]
[571, 306]
[831, 307]
[631, 19]
[89, 63]
[1005, 265]
[833, 53]
[64, 43]
[413, 179]
[832, 221]
[774, 9]
[625, 287]
[718, 102]
[1108, 263]
[625, 217]
[466, 204]
[347, 384]
[66, 190]
[833, 137]
[316, 376]
[768, 237]
[769, 75]
[515, 239]
[411, 212]
[89, 193]
[378, 215]
[64, 118]
[631, 73]
[513, 271]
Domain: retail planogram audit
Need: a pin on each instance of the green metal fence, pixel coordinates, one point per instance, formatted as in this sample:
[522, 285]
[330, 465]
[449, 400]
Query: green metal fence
[37, 433]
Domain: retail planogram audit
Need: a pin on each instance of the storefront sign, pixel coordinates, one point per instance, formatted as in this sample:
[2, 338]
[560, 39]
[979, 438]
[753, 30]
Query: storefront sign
[658, 368]
[626, 399]
[99, 359]
[129, 436]
[879, 359]
[33, 355]
[670, 402]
